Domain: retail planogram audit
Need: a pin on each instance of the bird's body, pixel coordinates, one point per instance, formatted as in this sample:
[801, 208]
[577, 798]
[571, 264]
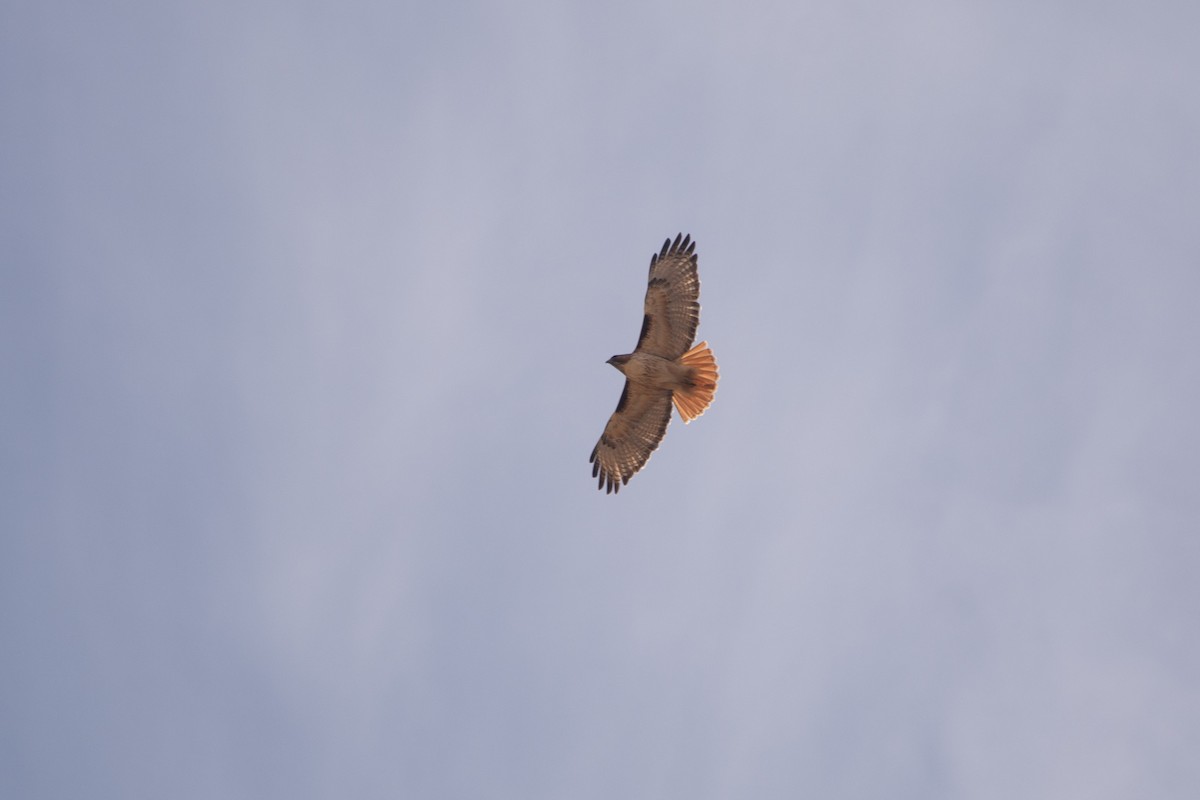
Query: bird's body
[653, 372]
[662, 371]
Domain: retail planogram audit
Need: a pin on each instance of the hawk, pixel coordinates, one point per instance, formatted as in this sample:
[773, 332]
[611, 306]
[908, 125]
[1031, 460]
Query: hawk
[663, 369]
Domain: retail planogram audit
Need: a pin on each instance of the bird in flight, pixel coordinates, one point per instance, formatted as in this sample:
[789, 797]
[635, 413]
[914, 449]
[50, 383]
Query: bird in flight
[663, 369]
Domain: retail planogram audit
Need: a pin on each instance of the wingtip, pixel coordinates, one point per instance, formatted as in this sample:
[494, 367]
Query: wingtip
[682, 244]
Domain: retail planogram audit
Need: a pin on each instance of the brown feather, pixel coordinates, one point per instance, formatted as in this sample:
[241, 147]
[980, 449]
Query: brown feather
[695, 400]
[632, 434]
[672, 306]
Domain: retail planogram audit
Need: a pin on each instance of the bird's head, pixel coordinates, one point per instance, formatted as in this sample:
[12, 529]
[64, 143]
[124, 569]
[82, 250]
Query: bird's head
[619, 362]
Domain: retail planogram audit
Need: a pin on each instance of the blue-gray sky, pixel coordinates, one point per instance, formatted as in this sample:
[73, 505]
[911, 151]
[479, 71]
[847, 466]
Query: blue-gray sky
[303, 320]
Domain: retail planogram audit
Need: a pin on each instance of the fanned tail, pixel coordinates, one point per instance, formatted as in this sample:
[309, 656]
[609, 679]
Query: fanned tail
[695, 399]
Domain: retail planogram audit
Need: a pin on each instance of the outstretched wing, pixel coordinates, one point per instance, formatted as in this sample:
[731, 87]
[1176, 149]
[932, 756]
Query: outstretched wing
[672, 300]
[633, 432]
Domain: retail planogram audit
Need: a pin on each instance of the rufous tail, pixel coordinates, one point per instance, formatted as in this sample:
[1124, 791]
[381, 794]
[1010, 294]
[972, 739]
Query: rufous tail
[695, 399]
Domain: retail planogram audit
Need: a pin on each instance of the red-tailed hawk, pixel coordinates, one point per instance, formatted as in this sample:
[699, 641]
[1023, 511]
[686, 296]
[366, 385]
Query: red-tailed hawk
[663, 369]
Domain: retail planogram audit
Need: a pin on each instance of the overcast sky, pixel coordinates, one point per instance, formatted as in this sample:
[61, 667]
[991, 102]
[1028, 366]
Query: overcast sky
[304, 310]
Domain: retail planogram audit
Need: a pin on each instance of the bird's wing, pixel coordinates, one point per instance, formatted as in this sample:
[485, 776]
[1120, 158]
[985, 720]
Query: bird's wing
[633, 432]
[672, 300]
